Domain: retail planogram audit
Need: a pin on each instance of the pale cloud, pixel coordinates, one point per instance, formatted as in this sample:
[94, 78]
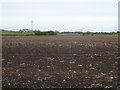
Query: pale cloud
[41, 1]
[63, 19]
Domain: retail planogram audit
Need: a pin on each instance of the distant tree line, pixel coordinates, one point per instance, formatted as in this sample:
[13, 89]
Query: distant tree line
[50, 32]
[93, 33]
[37, 32]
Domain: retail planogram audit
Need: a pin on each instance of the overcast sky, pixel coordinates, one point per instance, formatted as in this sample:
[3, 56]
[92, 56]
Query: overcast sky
[61, 15]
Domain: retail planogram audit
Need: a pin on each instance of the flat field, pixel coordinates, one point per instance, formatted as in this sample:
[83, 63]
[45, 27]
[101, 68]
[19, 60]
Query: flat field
[59, 61]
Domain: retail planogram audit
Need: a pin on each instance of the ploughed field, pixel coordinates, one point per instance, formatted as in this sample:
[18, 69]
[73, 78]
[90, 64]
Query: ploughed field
[59, 61]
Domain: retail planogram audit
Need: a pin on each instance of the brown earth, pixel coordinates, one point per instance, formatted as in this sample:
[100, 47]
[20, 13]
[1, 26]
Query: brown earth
[59, 61]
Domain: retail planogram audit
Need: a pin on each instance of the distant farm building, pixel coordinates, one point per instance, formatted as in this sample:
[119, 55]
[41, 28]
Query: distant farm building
[25, 30]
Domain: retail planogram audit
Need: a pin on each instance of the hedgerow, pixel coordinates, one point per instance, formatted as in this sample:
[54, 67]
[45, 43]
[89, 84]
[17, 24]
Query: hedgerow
[45, 33]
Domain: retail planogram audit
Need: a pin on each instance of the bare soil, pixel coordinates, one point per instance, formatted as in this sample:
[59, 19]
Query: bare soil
[59, 61]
